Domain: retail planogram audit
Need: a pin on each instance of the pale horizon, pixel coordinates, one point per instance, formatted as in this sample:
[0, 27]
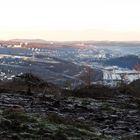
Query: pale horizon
[68, 20]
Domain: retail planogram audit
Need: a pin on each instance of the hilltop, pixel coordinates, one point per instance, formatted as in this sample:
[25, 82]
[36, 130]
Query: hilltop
[41, 43]
[33, 108]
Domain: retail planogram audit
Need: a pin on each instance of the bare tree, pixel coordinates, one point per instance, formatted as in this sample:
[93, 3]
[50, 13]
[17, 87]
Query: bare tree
[87, 75]
[68, 84]
[137, 67]
[123, 77]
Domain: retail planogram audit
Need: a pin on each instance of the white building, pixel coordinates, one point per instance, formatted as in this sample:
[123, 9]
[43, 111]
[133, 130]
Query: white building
[18, 46]
[114, 74]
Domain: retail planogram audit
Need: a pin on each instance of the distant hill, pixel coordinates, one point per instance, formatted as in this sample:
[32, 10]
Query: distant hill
[38, 43]
[128, 61]
[29, 40]
[32, 43]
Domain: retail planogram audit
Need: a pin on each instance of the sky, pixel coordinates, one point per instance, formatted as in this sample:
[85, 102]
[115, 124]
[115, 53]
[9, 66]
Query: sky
[63, 20]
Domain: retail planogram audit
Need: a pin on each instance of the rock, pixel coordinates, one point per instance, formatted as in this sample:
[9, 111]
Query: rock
[26, 135]
[15, 136]
[81, 118]
[48, 136]
[60, 136]
[17, 108]
[52, 109]
[127, 129]
[131, 137]
[5, 123]
[56, 104]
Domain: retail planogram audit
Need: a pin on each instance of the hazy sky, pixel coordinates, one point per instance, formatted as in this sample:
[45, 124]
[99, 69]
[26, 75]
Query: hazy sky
[70, 19]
